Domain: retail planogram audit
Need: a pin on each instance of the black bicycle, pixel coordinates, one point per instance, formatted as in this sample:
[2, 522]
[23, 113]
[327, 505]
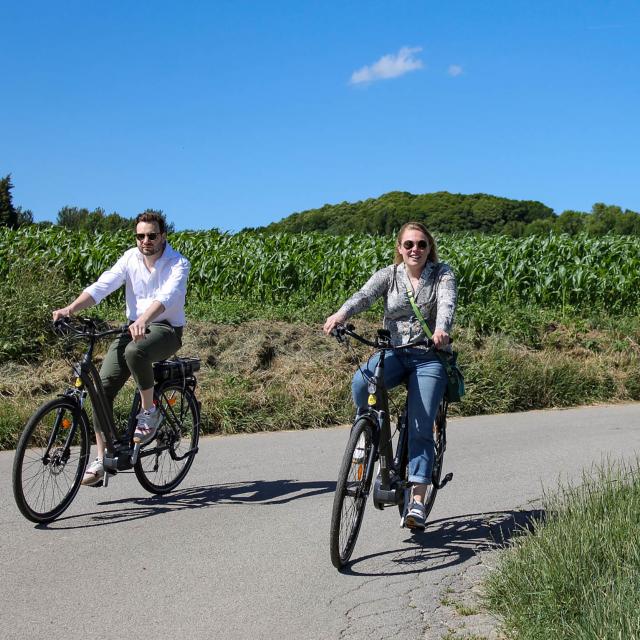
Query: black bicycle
[53, 450]
[371, 441]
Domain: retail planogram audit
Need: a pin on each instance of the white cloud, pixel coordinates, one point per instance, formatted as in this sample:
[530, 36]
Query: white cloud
[454, 70]
[390, 66]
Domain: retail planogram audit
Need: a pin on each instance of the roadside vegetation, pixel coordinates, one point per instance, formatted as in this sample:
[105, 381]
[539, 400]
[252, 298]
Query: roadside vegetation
[545, 322]
[576, 575]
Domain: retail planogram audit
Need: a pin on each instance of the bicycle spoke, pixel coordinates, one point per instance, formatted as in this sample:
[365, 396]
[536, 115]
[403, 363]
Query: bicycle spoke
[43, 488]
[351, 494]
[158, 471]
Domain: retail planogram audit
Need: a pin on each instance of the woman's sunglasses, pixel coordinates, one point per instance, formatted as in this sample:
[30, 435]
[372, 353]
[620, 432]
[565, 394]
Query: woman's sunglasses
[409, 244]
[142, 236]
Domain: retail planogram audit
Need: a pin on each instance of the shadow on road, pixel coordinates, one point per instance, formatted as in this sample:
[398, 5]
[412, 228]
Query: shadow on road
[258, 492]
[446, 543]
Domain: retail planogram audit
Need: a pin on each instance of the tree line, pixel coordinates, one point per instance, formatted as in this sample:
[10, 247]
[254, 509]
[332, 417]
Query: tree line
[76, 218]
[441, 212]
[444, 212]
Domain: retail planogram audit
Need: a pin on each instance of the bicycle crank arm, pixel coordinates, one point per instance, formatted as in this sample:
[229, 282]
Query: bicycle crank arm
[392, 494]
[136, 452]
[444, 481]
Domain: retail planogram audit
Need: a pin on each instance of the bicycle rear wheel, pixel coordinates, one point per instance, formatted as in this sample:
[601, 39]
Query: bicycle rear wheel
[50, 459]
[163, 465]
[352, 490]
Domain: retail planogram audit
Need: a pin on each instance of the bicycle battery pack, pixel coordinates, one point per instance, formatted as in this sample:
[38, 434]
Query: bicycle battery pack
[177, 369]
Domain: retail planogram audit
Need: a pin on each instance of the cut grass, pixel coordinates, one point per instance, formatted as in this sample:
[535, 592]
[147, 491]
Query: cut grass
[577, 575]
[270, 375]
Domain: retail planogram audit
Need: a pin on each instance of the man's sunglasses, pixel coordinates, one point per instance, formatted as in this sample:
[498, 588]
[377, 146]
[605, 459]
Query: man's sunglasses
[142, 236]
[421, 244]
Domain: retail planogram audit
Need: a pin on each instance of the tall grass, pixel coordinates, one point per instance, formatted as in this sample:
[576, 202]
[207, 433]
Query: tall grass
[557, 271]
[577, 576]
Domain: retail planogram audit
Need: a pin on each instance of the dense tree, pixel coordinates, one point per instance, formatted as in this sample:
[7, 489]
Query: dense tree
[23, 217]
[571, 222]
[445, 212]
[441, 212]
[611, 219]
[8, 215]
[97, 221]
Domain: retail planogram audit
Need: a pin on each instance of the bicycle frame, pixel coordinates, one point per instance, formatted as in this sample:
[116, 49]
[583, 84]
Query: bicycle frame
[90, 383]
[120, 455]
[389, 486]
[54, 447]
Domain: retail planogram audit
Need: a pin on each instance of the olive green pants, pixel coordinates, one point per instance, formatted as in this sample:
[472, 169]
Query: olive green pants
[126, 357]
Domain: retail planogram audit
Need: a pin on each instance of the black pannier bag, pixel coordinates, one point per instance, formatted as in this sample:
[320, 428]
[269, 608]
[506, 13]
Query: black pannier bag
[175, 369]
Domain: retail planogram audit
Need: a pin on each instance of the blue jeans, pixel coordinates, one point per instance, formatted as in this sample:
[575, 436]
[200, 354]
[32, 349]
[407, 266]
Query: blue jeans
[427, 379]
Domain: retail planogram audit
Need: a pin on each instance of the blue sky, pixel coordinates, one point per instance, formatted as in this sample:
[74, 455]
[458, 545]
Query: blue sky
[230, 114]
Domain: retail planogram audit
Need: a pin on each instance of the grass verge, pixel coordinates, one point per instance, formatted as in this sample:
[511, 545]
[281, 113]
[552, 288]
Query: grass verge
[577, 575]
[261, 375]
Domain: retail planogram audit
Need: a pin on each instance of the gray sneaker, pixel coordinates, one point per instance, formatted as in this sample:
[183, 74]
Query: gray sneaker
[416, 516]
[148, 423]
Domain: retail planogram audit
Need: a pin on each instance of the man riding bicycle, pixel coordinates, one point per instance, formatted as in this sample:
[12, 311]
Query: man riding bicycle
[155, 279]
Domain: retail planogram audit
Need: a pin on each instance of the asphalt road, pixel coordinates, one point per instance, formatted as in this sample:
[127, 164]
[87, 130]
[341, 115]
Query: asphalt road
[240, 549]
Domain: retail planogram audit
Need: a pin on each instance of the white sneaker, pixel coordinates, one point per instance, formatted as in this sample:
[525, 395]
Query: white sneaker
[148, 423]
[416, 516]
[94, 473]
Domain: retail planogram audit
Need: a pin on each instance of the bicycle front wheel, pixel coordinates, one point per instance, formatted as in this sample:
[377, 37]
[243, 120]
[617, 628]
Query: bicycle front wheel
[50, 460]
[163, 465]
[352, 490]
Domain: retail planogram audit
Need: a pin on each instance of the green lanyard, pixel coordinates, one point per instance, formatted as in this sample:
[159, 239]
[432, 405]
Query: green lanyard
[441, 356]
[418, 313]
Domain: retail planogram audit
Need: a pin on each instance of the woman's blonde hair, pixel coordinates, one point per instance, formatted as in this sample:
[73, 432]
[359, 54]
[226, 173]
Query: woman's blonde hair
[416, 226]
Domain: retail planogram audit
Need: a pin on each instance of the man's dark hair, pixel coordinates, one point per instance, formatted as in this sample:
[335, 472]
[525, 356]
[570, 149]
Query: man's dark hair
[153, 216]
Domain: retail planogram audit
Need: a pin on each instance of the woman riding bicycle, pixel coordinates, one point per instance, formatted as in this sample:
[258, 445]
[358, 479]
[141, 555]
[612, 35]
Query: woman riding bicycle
[433, 286]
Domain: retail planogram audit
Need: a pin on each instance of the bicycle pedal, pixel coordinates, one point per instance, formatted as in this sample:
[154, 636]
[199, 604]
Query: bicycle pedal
[105, 479]
[445, 480]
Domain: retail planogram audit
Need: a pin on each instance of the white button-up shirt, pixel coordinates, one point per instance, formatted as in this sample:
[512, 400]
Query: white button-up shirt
[166, 282]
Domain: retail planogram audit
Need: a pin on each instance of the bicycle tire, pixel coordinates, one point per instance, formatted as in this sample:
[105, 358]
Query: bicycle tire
[44, 485]
[352, 490]
[157, 468]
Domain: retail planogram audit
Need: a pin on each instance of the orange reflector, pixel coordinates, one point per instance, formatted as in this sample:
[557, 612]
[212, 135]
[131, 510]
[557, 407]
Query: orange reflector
[360, 471]
[172, 401]
[66, 423]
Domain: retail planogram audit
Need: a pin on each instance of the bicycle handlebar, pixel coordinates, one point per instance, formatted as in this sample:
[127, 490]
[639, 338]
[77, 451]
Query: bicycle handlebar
[382, 341]
[88, 328]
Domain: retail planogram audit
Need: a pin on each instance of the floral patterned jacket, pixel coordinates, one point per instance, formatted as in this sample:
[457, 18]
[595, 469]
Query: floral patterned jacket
[436, 296]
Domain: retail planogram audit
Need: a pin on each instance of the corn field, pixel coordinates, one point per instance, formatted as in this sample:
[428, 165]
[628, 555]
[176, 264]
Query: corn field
[551, 271]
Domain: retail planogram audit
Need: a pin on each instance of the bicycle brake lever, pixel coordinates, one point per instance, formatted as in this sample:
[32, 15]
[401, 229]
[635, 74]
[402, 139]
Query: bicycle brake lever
[338, 333]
